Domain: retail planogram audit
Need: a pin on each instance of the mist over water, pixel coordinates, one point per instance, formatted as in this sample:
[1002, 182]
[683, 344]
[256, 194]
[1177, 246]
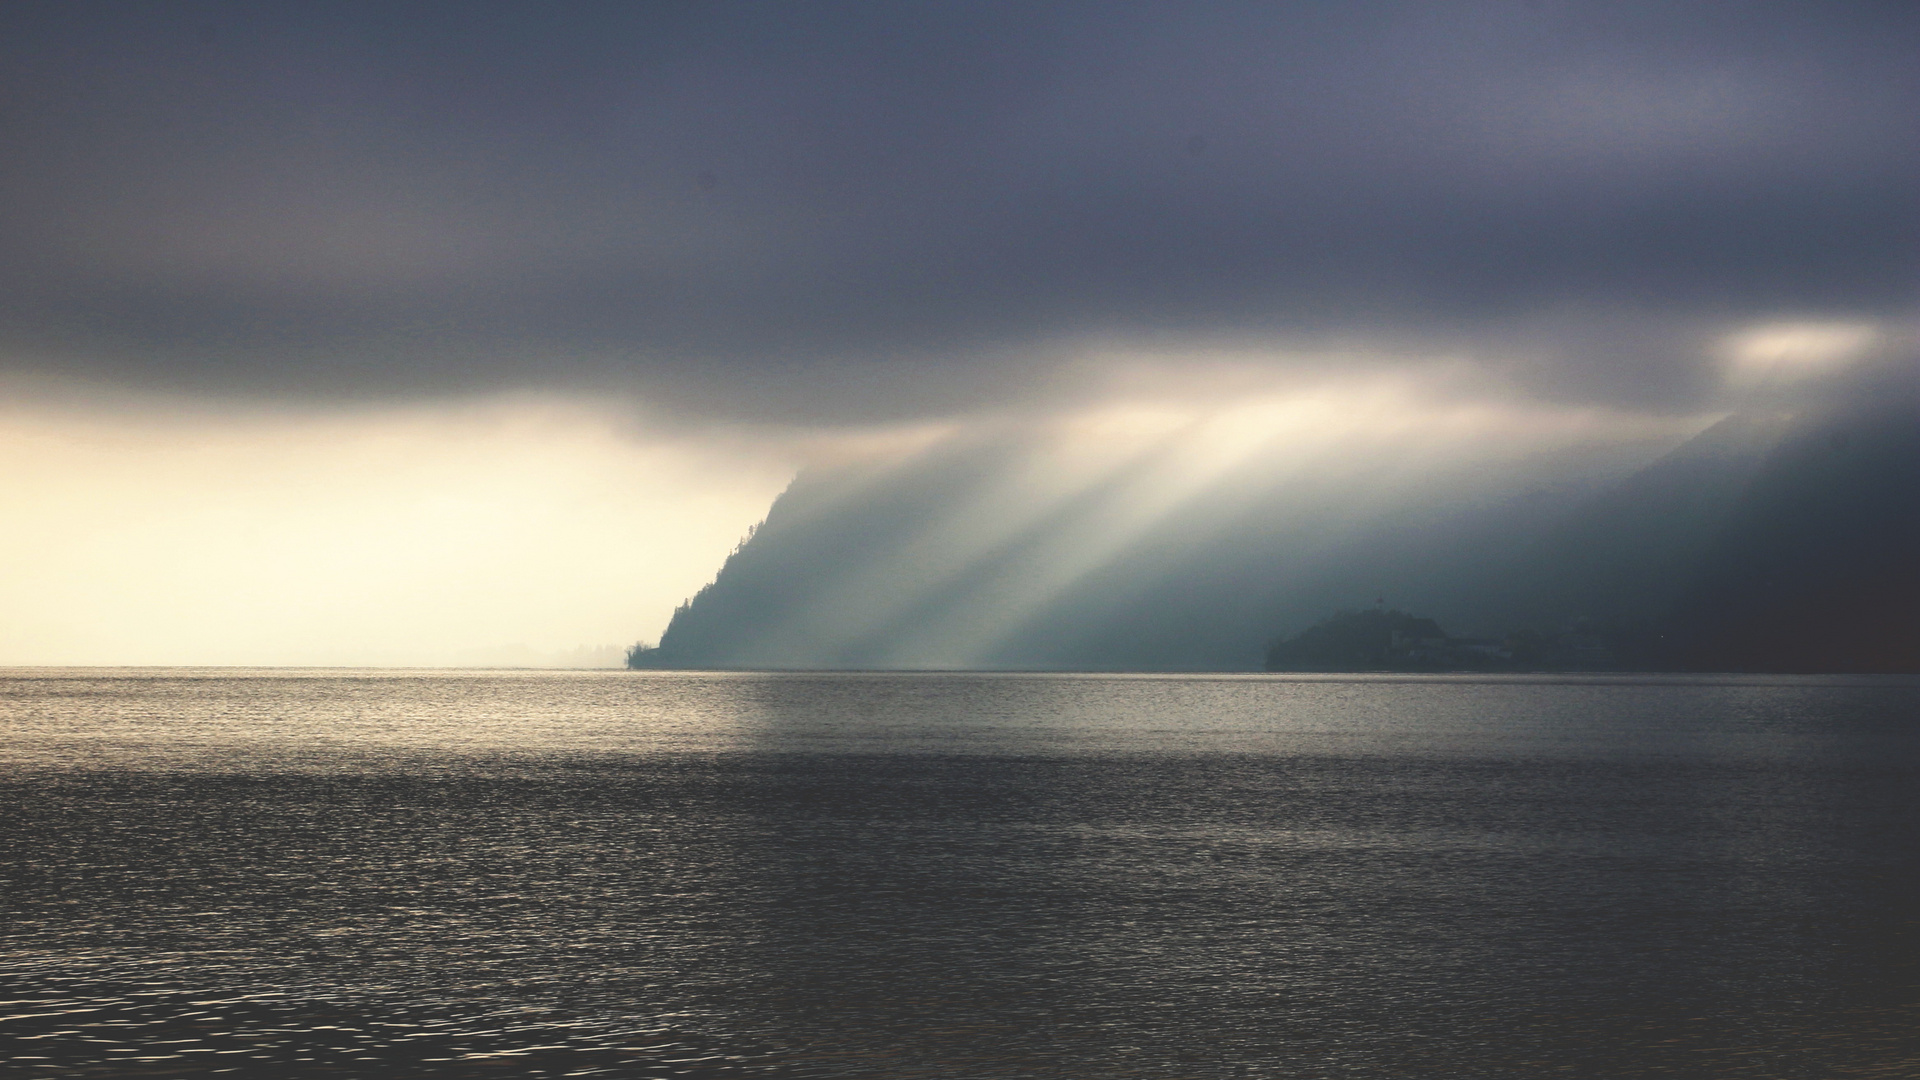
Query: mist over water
[344, 873]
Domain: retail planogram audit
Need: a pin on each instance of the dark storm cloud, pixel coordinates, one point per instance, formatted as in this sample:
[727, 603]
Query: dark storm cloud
[853, 210]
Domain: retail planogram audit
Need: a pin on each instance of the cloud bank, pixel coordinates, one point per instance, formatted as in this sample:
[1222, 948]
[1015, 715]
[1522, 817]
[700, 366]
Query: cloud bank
[856, 213]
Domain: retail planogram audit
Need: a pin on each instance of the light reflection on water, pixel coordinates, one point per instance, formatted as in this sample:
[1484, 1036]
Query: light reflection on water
[379, 873]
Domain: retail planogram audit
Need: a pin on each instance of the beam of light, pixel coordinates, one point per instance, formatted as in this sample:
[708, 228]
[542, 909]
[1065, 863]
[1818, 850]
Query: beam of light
[1080, 487]
[1082, 491]
[1339, 456]
[845, 613]
[513, 530]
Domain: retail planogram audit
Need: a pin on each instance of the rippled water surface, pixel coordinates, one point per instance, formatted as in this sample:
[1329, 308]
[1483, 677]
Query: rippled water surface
[336, 873]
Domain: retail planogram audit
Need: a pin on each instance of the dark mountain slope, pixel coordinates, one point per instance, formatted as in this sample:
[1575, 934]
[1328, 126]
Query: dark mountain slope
[1816, 568]
[1627, 554]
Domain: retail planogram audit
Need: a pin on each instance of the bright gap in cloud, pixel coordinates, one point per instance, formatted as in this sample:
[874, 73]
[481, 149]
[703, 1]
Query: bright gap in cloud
[1783, 353]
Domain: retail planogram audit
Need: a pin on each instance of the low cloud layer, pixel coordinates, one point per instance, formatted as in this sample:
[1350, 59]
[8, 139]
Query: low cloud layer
[858, 213]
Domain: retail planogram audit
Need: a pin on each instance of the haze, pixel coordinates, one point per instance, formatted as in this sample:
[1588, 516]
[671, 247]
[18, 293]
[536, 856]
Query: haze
[438, 334]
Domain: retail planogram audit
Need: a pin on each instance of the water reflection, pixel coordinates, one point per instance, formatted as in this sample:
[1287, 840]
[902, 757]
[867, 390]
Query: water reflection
[959, 876]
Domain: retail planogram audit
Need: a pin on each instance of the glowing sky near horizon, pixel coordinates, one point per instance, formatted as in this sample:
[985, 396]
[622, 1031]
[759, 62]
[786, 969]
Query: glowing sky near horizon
[497, 531]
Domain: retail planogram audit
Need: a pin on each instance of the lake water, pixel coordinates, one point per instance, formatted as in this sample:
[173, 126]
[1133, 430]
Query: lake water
[331, 873]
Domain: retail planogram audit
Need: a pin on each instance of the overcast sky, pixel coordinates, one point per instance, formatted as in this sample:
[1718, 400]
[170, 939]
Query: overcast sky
[838, 211]
[860, 217]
